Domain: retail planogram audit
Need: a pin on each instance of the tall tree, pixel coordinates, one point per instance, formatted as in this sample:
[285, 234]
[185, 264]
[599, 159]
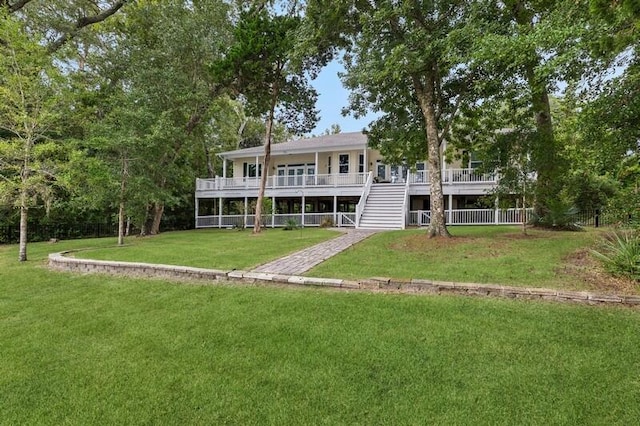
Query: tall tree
[529, 50]
[159, 60]
[261, 62]
[405, 60]
[29, 114]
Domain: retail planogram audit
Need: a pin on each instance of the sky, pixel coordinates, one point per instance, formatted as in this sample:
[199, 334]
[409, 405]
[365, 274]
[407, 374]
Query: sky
[332, 97]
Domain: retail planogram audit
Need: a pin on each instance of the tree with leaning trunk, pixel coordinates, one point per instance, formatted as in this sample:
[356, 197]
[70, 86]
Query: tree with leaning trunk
[266, 72]
[404, 60]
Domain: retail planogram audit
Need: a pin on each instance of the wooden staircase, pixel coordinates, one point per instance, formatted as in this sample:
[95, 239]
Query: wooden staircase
[384, 207]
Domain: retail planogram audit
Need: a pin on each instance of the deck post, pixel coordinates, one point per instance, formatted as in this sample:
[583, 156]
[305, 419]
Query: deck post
[220, 212]
[273, 211]
[315, 172]
[302, 209]
[335, 209]
[246, 208]
[197, 205]
[497, 211]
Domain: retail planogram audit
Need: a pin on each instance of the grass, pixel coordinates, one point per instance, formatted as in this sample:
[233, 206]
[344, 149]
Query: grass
[80, 349]
[213, 248]
[499, 255]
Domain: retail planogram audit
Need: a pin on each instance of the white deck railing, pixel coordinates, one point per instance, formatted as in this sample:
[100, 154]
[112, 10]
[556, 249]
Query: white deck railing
[363, 198]
[415, 218]
[466, 176]
[277, 220]
[298, 181]
[473, 217]
[421, 177]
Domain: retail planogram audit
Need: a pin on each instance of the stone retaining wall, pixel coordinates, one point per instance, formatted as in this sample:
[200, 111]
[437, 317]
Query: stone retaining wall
[59, 261]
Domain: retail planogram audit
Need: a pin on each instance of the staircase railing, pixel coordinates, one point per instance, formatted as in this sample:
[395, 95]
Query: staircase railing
[363, 198]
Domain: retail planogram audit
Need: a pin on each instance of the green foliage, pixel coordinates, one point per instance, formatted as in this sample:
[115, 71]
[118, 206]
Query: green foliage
[260, 64]
[560, 215]
[30, 110]
[620, 254]
[327, 222]
[290, 225]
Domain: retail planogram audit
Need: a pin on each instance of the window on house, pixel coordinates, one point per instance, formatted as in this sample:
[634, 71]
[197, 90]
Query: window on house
[343, 163]
[381, 168]
[474, 161]
[249, 170]
[329, 165]
[361, 163]
[420, 172]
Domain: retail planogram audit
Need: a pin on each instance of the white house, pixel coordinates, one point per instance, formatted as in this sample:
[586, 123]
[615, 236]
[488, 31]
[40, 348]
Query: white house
[337, 180]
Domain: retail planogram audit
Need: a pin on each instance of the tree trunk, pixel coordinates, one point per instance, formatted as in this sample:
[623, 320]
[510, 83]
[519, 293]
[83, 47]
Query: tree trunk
[158, 210]
[22, 252]
[265, 165]
[211, 173]
[146, 223]
[121, 230]
[24, 207]
[544, 156]
[426, 97]
[123, 187]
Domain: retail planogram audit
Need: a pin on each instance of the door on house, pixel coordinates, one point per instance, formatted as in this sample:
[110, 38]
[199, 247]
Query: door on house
[391, 173]
[295, 174]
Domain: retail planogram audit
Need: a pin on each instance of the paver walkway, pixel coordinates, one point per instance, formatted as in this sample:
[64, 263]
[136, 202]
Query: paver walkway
[301, 261]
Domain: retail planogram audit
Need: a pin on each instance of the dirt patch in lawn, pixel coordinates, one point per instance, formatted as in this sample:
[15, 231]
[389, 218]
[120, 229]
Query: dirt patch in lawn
[419, 243]
[584, 267]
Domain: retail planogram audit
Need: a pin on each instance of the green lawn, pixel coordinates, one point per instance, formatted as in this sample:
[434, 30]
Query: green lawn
[213, 248]
[480, 254]
[80, 349]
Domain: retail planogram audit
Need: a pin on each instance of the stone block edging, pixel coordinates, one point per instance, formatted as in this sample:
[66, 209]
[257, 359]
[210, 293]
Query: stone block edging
[58, 261]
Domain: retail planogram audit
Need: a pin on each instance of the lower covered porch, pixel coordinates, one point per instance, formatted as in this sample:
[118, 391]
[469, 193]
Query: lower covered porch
[340, 211]
[325, 211]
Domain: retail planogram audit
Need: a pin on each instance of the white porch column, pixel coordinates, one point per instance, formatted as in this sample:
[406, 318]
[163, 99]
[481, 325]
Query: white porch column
[317, 167]
[450, 208]
[273, 211]
[258, 167]
[497, 211]
[220, 212]
[246, 207]
[224, 167]
[303, 208]
[444, 170]
[366, 161]
[335, 209]
[197, 208]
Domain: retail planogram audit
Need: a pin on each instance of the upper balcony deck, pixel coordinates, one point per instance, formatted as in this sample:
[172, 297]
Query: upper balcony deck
[461, 179]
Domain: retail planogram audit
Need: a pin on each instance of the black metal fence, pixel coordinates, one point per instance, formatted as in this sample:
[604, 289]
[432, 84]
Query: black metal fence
[41, 232]
[596, 218]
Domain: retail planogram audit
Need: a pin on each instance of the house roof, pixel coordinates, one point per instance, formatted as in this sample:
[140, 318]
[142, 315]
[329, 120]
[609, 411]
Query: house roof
[327, 143]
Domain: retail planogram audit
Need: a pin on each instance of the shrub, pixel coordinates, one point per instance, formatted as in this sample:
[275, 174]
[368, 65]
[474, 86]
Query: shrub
[327, 222]
[620, 254]
[560, 215]
[290, 225]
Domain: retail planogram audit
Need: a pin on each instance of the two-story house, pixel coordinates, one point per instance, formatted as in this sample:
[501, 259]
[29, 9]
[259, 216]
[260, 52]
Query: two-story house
[338, 180]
